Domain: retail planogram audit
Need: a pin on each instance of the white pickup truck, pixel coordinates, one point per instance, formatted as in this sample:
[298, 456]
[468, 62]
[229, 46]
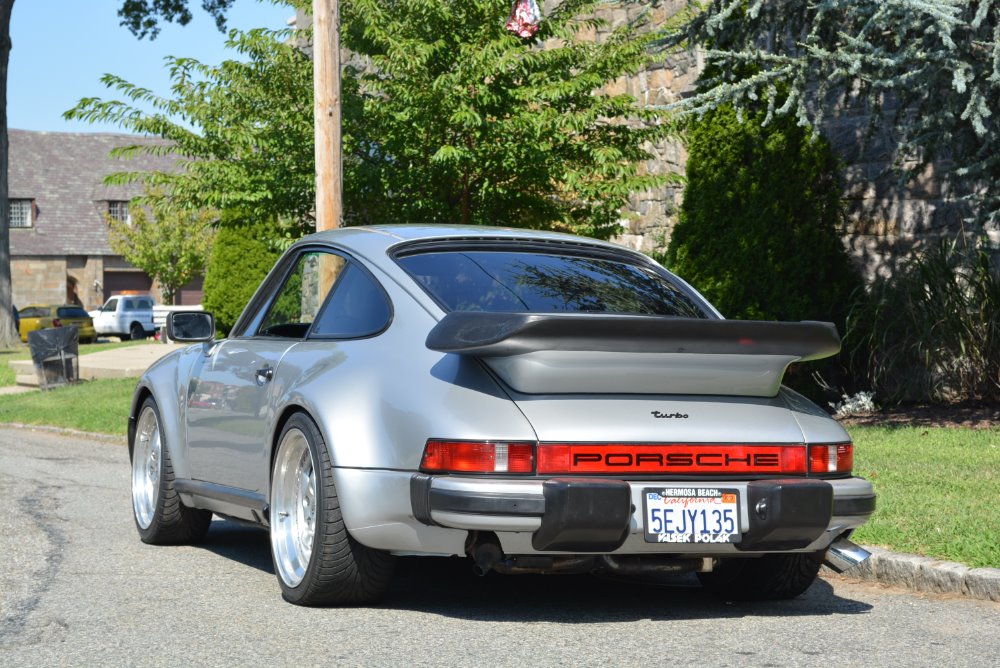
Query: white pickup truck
[126, 316]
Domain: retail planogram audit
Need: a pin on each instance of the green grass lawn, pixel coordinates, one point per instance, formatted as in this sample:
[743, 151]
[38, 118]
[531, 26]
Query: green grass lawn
[22, 353]
[938, 489]
[97, 405]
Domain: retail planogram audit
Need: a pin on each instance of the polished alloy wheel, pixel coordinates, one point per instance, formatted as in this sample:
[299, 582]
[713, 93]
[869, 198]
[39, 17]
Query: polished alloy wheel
[293, 507]
[146, 462]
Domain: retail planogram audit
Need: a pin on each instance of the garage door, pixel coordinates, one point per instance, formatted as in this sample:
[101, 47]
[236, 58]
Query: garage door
[120, 281]
[190, 294]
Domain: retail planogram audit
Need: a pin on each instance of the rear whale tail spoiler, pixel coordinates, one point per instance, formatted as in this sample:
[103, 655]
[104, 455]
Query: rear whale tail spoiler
[599, 353]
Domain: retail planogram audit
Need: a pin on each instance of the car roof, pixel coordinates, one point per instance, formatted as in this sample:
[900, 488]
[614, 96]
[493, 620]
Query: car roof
[373, 241]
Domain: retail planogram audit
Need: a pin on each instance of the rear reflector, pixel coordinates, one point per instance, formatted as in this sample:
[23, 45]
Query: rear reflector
[670, 458]
[832, 458]
[477, 457]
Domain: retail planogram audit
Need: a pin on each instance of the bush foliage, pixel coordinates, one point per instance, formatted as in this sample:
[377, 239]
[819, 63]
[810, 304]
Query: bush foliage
[241, 257]
[931, 332]
[758, 232]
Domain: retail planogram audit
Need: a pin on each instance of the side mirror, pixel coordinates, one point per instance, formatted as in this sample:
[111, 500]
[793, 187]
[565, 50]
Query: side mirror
[190, 327]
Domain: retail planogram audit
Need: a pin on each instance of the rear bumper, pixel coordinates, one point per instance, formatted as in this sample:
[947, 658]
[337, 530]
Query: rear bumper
[598, 515]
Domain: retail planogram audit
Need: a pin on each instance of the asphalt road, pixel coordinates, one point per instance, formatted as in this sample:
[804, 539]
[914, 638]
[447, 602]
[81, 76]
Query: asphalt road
[78, 588]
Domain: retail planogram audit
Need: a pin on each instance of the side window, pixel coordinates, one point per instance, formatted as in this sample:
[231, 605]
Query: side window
[145, 304]
[129, 305]
[111, 305]
[299, 299]
[358, 307]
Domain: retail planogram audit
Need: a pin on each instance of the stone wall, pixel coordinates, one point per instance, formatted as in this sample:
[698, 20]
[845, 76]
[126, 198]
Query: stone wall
[650, 216]
[38, 280]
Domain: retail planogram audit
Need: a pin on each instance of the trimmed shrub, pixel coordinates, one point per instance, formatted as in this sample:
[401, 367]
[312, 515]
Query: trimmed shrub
[931, 332]
[241, 257]
[758, 232]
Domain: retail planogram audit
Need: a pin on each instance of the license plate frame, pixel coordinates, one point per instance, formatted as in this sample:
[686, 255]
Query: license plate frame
[701, 515]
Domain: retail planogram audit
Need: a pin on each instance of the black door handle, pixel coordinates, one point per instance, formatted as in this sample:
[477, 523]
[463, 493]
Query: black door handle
[264, 375]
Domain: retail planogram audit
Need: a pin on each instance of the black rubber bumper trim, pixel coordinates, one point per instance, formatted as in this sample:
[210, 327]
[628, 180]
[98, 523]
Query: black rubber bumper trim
[453, 501]
[854, 505]
[584, 515]
[786, 514]
[424, 500]
[420, 498]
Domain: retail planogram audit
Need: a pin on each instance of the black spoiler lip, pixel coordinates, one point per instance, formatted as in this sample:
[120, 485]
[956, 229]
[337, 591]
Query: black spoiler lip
[480, 334]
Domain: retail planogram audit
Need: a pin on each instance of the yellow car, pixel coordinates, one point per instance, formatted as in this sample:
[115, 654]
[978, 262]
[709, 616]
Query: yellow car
[40, 316]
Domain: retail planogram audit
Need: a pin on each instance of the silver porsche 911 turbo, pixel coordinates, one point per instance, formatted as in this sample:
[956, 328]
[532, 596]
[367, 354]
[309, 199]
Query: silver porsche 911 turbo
[538, 402]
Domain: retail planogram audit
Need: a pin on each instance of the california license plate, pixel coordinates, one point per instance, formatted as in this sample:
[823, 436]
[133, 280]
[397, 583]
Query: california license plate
[691, 515]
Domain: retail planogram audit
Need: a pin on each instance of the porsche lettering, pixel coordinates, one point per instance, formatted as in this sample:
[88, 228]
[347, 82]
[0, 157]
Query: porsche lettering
[677, 459]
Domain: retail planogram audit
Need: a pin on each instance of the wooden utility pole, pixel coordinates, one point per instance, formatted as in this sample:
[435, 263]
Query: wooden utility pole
[326, 113]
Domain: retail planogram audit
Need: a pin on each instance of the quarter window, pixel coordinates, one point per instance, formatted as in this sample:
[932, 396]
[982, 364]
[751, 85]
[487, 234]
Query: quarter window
[357, 307]
[21, 213]
[301, 295]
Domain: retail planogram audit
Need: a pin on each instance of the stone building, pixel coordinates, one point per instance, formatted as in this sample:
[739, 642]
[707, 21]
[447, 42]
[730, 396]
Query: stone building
[58, 230]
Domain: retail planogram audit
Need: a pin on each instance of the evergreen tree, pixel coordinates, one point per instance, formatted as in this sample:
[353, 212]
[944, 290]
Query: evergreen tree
[930, 70]
[759, 227]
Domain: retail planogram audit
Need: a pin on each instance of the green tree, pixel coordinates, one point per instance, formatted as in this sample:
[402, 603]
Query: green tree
[463, 122]
[142, 17]
[929, 72]
[758, 232]
[169, 244]
[241, 256]
[450, 119]
[244, 129]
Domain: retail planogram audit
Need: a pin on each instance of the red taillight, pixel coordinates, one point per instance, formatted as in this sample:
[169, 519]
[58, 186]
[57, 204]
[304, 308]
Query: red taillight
[478, 457]
[670, 458]
[57, 322]
[832, 458]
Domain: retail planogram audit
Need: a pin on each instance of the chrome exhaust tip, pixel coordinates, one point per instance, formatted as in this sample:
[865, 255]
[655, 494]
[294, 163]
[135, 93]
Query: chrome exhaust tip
[843, 555]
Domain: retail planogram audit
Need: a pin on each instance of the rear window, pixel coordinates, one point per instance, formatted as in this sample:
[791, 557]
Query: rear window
[545, 282]
[72, 312]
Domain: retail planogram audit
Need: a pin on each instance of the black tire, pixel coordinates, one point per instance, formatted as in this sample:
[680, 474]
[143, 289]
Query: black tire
[171, 523]
[136, 332]
[773, 577]
[340, 570]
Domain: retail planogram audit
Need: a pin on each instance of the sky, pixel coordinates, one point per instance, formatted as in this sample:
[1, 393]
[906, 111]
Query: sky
[61, 48]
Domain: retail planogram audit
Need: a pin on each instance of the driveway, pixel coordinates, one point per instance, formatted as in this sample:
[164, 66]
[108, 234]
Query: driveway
[78, 588]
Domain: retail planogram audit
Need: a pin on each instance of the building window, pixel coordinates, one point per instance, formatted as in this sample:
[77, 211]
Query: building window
[21, 211]
[118, 210]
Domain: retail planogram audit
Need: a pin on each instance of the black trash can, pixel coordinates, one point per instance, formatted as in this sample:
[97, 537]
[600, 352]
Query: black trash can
[55, 352]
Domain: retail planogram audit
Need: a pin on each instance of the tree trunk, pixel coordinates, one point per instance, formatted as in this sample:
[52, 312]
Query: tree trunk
[8, 336]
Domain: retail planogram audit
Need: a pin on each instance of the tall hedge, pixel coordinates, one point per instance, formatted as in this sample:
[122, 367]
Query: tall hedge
[241, 257]
[759, 229]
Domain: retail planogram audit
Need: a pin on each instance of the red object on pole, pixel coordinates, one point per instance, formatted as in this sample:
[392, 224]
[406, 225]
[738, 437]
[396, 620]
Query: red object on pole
[524, 18]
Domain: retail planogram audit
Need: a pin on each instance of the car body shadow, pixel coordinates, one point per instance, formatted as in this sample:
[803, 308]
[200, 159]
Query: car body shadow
[447, 586]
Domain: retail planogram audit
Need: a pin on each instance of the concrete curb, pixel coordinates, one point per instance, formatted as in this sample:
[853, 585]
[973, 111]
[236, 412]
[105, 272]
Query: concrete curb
[89, 435]
[925, 574]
